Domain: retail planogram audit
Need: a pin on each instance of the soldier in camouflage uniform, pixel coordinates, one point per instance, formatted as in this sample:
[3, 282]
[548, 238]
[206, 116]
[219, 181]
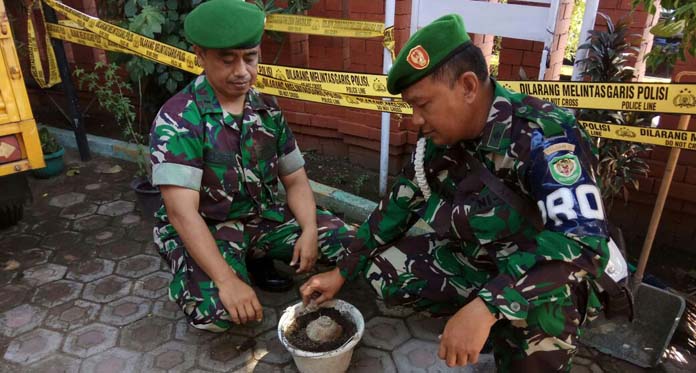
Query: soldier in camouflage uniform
[517, 262]
[218, 149]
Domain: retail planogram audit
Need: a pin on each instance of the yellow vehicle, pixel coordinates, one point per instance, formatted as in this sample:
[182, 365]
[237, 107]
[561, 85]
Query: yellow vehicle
[20, 148]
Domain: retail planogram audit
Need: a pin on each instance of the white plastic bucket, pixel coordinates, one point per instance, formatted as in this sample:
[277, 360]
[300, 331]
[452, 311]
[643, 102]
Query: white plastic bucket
[334, 361]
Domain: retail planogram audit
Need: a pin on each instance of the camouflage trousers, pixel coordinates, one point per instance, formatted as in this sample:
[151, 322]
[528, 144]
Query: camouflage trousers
[195, 292]
[440, 280]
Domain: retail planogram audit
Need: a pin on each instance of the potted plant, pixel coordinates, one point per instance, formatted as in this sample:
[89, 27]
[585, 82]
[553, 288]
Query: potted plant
[53, 155]
[109, 87]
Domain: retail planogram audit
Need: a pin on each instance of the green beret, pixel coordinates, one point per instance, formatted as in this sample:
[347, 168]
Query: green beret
[221, 24]
[426, 50]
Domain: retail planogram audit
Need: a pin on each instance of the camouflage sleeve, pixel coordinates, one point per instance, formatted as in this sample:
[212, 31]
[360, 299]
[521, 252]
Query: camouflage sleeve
[290, 157]
[573, 244]
[176, 144]
[392, 218]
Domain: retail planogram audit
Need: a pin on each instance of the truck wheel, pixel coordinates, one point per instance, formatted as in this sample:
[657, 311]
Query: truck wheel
[11, 213]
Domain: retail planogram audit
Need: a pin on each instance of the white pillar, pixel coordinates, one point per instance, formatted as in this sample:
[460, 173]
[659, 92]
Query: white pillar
[389, 10]
[588, 22]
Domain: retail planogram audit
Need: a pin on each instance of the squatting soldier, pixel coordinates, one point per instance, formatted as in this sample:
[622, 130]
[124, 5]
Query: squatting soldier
[218, 149]
[507, 183]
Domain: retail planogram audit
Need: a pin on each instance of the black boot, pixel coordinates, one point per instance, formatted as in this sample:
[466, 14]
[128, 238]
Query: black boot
[264, 275]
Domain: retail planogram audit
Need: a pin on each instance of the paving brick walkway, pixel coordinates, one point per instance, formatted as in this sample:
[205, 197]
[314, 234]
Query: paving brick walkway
[83, 290]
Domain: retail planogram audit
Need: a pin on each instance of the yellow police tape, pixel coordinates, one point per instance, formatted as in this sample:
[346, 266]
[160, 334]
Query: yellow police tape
[323, 26]
[647, 135]
[651, 97]
[265, 84]
[288, 89]
[344, 89]
[35, 59]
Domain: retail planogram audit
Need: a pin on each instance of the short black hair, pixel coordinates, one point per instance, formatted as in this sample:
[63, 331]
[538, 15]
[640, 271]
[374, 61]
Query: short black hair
[468, 57]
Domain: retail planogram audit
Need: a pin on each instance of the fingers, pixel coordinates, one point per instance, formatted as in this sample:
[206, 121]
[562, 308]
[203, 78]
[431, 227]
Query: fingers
[473, 358]
[306, 292]
[452, 358]
[462, 359]
[234, 315]
[305, 264]
[243, 316]
[258, 310]
[442, 352]
[295, 256]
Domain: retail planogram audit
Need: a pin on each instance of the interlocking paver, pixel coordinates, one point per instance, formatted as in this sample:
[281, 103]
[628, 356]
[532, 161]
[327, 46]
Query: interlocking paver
[105, 236]
[393, 311]
[13, 295]
[57, 292]
[421, 356]
[91, 223]
[125, 310]
[257, 366]
[385, 333]
[46, 227]
[55, 364]
[44, 273]
[33, 346]
[153, 285]
[225, 353]
[115, 360]
[425, 327]
[171, 357]
[66, 240]
[72, 315]
[188, 334]
[107, 289]
[269, 349]
[121, 249]
[78, 211]
[90, 269]
[21, 319]
[31, 257]
[166, 308]
[116, 208]
[146, 334]
[252, 329]
[138, 266]
[371, 360]
[90, 339]
[19, 242]
[129, 219]
[67, 199]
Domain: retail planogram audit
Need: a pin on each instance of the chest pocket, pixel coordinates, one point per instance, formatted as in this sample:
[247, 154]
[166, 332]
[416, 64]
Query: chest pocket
[485, 216]
[484, 209]
[220, 184]
[265, 153]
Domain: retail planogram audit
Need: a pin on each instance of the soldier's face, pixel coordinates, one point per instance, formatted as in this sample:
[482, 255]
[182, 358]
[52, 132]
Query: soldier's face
[440, 110]
[231, 72]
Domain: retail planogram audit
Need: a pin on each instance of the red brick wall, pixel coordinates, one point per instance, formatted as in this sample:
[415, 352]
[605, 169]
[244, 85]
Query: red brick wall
[682, 195]
[519, 54]
[640, 21]
[335, 130]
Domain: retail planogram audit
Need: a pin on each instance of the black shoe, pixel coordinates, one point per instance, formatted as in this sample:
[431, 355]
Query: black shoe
[264, 275]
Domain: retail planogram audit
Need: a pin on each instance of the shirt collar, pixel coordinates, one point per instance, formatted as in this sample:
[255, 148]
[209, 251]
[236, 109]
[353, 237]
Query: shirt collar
[204, 95]
[499, 122]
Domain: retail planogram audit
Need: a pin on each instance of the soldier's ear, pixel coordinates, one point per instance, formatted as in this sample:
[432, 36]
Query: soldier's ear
[468, 85]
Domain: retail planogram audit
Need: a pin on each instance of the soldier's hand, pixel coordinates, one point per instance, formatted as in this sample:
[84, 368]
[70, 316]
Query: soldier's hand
[466, 333]
[306, 251]
[325, 284]
[240, 301]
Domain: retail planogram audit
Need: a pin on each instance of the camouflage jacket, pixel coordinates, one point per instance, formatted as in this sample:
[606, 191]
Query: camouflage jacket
[234, 162]
[539, 152]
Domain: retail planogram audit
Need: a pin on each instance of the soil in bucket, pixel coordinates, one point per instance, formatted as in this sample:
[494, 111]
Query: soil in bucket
[296, 333]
